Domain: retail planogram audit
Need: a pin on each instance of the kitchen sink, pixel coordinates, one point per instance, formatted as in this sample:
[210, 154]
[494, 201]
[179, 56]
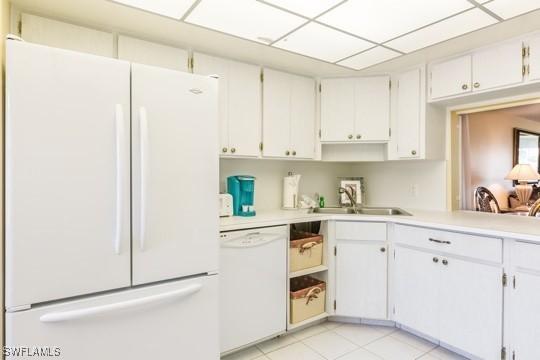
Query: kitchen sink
[362, 211]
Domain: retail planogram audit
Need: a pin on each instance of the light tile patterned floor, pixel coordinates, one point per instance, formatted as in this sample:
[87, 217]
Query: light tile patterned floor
[331, 340]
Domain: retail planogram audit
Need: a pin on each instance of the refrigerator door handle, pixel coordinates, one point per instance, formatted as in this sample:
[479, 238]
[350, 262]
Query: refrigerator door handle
[124, 305]
[144, 163]
[120, 135]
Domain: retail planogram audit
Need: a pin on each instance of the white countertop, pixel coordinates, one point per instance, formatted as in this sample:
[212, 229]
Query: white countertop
[497, 225]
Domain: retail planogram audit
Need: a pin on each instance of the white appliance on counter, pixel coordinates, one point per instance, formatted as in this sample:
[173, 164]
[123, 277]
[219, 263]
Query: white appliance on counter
[72, 253]
[225, 205]
[253, 283]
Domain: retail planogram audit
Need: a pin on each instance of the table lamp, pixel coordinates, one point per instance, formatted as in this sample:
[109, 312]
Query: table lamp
[523, 173]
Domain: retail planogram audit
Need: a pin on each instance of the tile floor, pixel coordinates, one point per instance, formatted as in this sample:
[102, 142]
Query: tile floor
[331, 340]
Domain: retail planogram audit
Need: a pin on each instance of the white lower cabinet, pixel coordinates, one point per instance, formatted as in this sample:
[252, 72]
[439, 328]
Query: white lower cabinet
[361, 271]
[456, 301]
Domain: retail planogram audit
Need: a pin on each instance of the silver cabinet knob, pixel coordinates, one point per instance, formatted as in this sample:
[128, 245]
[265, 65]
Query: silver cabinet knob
[233, 150]
[358, 136]
[413, 152]
[294, 152]
[287, 153]
[435, 260]
[383, 249]
[476, 85]
[224, 150]
[350, 136]
[464, 86]
[445, 262]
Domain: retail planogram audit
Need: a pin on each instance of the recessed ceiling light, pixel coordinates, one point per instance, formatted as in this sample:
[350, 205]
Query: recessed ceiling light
[369, 57]
[307, 8]
[382, 20]
[170, 8]
[247, 19]
[510, 8]
[455, 26]
[321, 42]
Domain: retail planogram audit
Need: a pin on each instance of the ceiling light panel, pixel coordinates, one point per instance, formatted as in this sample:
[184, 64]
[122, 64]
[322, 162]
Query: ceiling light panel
[322, 42]
[308, 8]
[368, 58]
[247, 19]
[382, 20]
[170, 8]
[510, 8]
[455, 26]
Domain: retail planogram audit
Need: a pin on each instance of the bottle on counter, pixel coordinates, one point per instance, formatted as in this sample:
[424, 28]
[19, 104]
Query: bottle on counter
[321, 201]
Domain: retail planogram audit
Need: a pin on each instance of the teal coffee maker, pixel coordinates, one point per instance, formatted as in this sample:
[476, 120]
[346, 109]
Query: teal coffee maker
[242, 190]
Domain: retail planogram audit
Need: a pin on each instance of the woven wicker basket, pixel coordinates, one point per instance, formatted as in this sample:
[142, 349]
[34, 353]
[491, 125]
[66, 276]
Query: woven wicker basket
[306, 250]
[308, 298]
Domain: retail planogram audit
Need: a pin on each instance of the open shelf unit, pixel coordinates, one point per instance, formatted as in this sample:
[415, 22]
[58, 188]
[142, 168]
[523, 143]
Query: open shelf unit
[321, 272]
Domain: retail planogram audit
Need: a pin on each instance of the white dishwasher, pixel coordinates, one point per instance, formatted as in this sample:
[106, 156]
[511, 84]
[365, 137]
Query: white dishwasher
[253, 285]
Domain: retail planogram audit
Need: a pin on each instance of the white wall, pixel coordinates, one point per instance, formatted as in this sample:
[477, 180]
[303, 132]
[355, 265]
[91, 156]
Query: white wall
[407, 184]
[317, 177]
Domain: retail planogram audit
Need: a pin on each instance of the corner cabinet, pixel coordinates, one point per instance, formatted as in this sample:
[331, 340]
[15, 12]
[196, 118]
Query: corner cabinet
[355, 109]
[361, 270]
[418, 129]
[289, 104]
[239, 103]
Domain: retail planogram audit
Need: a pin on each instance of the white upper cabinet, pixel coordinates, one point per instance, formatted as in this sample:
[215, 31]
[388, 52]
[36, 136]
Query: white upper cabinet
[288, 115]
[150, 53]
[452, 77]
[533, 53]
[355, 109]
[239, 103]
[409, 109]
[497, 66]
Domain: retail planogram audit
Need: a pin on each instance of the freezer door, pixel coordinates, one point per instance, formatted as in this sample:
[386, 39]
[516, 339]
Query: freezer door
[176, 320]
[67, 174]
[175, 174]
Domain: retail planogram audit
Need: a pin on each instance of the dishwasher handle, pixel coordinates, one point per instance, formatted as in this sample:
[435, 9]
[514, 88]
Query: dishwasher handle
[252, 241]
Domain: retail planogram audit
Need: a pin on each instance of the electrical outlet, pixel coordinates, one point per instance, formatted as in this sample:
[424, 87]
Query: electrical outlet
[414, 190]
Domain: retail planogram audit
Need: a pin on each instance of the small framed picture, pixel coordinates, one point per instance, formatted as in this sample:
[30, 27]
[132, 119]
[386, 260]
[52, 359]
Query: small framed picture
[355, 188]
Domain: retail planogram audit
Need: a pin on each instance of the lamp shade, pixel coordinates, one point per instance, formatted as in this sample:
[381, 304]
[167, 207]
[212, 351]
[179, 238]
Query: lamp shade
[523, 172]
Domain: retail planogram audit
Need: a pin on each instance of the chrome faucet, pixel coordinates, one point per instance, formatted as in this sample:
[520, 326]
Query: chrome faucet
[349, 194]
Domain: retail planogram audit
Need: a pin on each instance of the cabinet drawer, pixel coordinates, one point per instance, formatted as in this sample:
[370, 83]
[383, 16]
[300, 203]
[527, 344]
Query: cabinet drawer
[473, 246]
[526, 256]
[346, 230]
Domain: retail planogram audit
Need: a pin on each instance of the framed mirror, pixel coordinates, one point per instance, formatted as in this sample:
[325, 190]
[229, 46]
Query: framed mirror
[527, 148]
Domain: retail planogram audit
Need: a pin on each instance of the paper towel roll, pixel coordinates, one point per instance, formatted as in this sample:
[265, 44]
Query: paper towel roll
[290, 191]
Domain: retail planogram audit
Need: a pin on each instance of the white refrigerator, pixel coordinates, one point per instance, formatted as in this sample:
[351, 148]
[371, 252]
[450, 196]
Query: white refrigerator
[111, 207]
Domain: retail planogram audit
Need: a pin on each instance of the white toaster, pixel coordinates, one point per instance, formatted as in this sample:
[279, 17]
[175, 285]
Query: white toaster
[225, 205]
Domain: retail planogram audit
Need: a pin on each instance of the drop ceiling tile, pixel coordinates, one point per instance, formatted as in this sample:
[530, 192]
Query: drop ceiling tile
[307, 8]
[382, 20]
[247, 19]
[510, 8]
[170, 8]
[369, 57]
[322, 42]
[455, 26]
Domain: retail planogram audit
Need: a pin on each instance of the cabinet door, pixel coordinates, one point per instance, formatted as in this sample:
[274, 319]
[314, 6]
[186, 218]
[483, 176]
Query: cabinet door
[417, 281]
[337, 110]
[244, 96]
[372, 109]
[534, 59]
[67, 174]
[497, 66]
[526, 317]
[210, 65]
[361, 279]
[302, 117]
[471, 297]
[409, 114]
[150, 53]
[452, 77]
[276, 113]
